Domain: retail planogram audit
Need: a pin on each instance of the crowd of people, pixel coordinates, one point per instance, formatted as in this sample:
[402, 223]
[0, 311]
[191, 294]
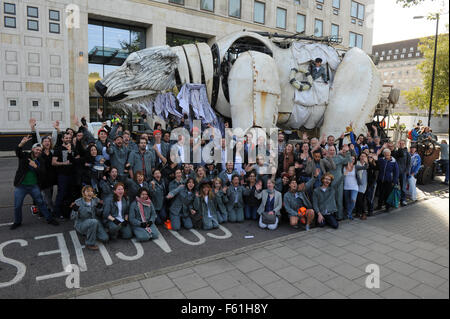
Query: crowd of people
[113, 186]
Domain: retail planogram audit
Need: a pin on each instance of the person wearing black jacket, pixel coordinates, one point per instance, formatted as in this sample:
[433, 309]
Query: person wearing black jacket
[29, 175]
[64, 159]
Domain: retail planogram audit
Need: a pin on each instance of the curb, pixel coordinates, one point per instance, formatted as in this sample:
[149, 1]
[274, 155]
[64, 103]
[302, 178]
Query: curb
[169, 269]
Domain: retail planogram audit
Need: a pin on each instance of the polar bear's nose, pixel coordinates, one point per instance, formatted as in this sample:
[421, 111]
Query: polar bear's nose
[101, 88]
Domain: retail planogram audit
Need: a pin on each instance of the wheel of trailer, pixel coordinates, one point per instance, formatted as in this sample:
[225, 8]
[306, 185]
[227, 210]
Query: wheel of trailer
[425, 175]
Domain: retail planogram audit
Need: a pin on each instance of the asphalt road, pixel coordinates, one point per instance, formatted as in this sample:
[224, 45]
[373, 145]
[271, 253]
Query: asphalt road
[33, 257]
[27, 271]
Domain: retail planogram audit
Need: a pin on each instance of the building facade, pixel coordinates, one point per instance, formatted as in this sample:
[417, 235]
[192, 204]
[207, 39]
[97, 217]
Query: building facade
[398, 67]
[52, 52]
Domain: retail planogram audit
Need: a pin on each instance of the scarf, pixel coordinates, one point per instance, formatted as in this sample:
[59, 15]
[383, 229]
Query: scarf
[141, 204]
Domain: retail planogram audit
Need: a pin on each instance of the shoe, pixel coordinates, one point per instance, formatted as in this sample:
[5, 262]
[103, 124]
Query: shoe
[404, 203]
[61, 217]
[53, 222]
[307, 227]
[387, 209]
[350, 217]
[14, 226]
[34, 210]
[370, 213]
[364, 216]
[92, 247]
[295, 226]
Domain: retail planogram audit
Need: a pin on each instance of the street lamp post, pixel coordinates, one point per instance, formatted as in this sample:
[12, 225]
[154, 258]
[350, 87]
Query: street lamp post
[434, 66]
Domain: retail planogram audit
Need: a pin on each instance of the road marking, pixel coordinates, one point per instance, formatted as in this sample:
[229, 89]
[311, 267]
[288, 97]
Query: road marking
[139, 253]
[7, 224]
[162, 243]
[21, 268]
[188, 242]
[65, 256]
[228, 234]
[105, 254]
[78, 250]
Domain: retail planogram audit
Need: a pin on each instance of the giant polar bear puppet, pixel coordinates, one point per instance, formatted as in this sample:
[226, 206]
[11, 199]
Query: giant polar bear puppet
[253, 87]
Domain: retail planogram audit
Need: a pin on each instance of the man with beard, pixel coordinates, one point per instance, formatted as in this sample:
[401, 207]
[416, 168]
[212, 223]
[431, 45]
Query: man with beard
[143, 160]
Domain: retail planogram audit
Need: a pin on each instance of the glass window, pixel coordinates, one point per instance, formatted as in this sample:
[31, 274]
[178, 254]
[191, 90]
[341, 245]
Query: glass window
[234, 9]
[402, 56]
[382, 58]
[383, 53]
[176, 1]
[357, 10]
[55, 103]
[411, 49]
[321, 1]
[35, 103]
[10, 22]
[296, 1]
[176, 39]
[53, 15]
[54, 27]
[404, 50]
[115, 39]
[32, 12]
[335, 31]
[390, 52]
[356, 40]
[354, 9]
[33, 25]
[12, 102]
[281, 18]
[318, 28]
[337, 4]
[417, 53]
[207, 5]
[259, 13]
[409, 55]
[301, 19]
[361, 9]
[397, 51]
[9, 8]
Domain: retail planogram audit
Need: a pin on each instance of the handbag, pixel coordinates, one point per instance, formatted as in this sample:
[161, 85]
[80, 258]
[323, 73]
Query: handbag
[268, 219]
[394, 197]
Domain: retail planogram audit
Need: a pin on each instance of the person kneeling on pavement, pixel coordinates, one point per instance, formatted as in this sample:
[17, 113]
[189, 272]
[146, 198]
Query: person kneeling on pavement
[143, 216]
[29, 175]
[297, 203]
[87, 212]
[324, 202]
[115, 214]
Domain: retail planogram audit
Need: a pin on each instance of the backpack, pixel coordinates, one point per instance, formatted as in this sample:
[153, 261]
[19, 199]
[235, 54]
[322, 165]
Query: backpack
[410, 135]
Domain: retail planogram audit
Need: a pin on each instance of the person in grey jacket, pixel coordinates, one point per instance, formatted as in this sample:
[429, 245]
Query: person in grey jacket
[142, 217]
[403, 159]
[206, 205]
[340, 160]
[271, 203]
[318, 71]
[182, 197]
[108, 182]
[157, 188]
[221, 200]
[324, 202]
[228, 173]
[115, 214]
[133, 185]
[297, 198]
[118, 154]
[325, 164]
[142, 160]
[87, 212]
[235, 205]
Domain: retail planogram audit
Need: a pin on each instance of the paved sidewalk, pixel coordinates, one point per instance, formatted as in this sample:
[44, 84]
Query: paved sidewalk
[321, 263]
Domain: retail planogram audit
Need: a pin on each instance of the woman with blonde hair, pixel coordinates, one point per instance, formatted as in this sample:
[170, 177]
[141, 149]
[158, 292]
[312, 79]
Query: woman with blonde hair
[87, 212]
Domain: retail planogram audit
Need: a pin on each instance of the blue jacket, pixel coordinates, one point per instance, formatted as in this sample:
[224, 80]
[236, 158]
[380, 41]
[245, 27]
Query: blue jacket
[388, 170]
[416, 162]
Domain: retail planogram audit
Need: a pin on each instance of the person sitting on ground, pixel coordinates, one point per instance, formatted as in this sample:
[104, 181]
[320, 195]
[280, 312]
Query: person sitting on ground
[205, 204]
[115, 214]
[87, 212]
[271, 203]
[221, 200]
[142, 217]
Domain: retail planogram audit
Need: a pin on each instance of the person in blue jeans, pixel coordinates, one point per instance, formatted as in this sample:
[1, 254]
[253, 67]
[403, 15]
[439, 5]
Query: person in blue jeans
[351, 185]
[29, 175]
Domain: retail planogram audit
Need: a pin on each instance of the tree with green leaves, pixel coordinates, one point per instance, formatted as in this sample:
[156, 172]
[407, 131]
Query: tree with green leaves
[419, 97]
